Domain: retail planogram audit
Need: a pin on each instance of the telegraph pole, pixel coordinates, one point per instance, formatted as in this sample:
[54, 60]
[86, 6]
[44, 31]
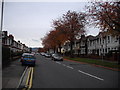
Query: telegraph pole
[2, 7]
[1, 27]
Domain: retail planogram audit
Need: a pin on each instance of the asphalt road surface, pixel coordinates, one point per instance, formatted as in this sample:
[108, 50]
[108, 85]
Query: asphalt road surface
[61, 74]
[67, 74]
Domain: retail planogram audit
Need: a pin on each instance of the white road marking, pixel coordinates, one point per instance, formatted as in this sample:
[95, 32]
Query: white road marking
[90, 75]
[21, 79]
[58, 62]
[64, 65]
[82, 72]
[69, 67]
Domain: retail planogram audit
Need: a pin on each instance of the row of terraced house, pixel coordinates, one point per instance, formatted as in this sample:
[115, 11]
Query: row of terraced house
[102, 45]
[15, 46]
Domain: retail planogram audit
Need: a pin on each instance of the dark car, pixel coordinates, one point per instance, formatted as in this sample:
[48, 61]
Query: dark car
[28, 59]
[57, 57]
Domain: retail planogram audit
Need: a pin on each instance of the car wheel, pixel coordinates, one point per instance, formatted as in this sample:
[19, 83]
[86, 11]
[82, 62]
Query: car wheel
[22, 64]
[33, 65]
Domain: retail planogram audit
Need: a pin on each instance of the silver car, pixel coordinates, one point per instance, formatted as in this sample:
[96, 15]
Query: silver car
[57, 57]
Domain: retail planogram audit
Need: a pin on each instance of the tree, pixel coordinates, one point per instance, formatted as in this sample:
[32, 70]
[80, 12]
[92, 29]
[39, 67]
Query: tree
[61, 34]
[105, 15]
[53, 40]
[74, 25]
[65, 28]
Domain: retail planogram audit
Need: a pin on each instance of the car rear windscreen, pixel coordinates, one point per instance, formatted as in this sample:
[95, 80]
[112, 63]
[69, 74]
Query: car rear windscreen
[29, 56]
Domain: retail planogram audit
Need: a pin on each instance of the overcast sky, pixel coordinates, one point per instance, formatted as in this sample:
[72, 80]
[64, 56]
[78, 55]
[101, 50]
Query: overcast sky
[30, 21]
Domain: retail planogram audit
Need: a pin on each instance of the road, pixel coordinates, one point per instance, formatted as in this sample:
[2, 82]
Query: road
[67, 74]
[62, 74]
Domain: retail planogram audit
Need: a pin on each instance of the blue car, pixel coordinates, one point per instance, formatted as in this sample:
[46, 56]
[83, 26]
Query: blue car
[28, 59]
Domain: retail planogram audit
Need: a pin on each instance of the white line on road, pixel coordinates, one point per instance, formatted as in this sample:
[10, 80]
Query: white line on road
[64, 65]
[69, 67]
[90, 75]
[21, 79]
[58, 62]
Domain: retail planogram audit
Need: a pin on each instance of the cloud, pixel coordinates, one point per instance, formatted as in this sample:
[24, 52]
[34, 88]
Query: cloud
[34, 40]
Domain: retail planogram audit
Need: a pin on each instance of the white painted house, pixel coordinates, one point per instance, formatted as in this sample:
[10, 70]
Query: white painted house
[102, 44]
[99, 45]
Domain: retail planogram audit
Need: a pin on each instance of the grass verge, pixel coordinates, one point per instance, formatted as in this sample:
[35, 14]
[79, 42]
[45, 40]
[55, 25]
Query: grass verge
[96, 62]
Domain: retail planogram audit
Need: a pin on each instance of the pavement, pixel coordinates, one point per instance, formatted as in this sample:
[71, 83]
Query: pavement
[11, 74]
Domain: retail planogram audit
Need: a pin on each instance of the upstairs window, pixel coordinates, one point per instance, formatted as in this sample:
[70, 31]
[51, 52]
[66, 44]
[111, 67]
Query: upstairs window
[108, 39]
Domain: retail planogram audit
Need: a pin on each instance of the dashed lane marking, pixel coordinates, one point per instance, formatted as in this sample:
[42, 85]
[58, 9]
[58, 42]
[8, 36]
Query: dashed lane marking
[70, 67]
[91, 75]
[83, 72]
[64, 65]
[58, 62]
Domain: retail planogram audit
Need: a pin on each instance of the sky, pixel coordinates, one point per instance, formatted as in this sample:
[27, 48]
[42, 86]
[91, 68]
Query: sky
[30, 21]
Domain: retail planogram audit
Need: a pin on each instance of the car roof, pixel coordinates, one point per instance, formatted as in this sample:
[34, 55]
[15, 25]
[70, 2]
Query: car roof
[27, 54]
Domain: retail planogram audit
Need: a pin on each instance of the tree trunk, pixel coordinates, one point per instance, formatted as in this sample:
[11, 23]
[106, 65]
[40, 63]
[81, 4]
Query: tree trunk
[86, 48]
[60, 48]
[71, 49]
[54, 49]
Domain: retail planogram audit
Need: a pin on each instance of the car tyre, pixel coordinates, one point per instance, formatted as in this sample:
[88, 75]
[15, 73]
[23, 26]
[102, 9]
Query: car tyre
[34, 65]
[22, 64]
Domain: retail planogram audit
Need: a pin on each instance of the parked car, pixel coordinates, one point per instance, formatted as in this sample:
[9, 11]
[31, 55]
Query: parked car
[25, 54]
[28, 59]
[36, 53]
[33, 53]
[42, 53]
[57, 57]
[47, 55]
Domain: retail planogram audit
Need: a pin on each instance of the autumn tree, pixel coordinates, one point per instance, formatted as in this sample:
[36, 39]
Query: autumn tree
[105, 15]
[74, 25]
[45, 43]
[61, 34]
[54, 39]
[67, 27]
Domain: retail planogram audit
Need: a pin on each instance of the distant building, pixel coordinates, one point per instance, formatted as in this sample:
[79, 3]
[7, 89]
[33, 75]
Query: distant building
[15, 46]
[35, 49]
